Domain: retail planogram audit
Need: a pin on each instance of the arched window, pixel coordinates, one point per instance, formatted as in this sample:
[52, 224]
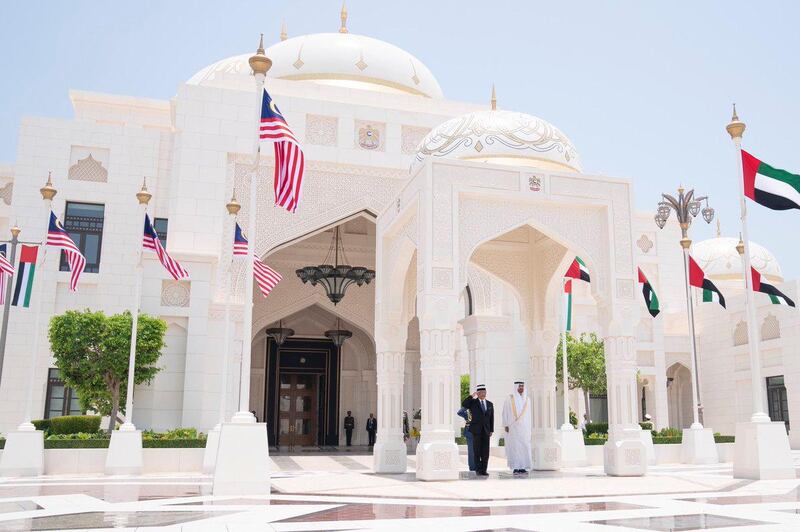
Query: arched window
[740, 333]
[770, 328]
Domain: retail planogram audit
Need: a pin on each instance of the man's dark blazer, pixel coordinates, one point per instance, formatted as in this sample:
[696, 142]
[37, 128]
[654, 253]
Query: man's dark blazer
[480, 421]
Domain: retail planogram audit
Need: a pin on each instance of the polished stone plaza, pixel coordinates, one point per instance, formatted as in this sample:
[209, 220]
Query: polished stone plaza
[339, 492]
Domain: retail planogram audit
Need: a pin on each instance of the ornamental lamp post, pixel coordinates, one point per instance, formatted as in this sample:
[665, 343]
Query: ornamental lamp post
[686, 207]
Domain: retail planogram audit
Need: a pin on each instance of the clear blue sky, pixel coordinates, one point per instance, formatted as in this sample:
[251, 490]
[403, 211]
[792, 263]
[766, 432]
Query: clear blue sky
[643, 89]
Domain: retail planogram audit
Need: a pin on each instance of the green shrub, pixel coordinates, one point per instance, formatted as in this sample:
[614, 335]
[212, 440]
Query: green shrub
[2, 443]
[461, 440]
[189, 433]
[77, 444]
[646, 425]
[670, 432]
[596, 428]
[719, 438]
[41, 424]
[573, 417]
[667, 439]
[100, 435]
[597, 436]
[74, 424]
[594, 441]
[502, 442]
[193, 443]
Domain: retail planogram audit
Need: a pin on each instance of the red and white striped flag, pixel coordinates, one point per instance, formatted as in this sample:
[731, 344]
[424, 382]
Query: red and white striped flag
[150, 241]
[239, 241]
[289, 156]
[265, 277]
[58, 237]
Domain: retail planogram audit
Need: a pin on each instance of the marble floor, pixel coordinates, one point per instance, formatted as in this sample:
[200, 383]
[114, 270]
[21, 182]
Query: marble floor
[340, 493]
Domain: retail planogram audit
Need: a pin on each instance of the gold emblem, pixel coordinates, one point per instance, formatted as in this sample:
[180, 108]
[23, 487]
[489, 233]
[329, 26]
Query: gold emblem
[369, 138]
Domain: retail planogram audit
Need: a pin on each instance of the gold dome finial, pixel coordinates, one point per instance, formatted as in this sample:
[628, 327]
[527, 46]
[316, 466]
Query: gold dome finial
[15, 231]
[259, 62]
[233, 206]
[48, 191]
[494, 99]
[284, 35]
[144, 195]
[343, 16]
[736, 127]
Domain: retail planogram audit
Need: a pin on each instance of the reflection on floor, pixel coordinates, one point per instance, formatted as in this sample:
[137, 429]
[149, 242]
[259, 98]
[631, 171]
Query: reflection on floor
[341, 493]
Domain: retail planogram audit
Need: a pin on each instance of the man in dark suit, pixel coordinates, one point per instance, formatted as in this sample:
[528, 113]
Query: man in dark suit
[481, 426]
[349, 425]
[372, 428]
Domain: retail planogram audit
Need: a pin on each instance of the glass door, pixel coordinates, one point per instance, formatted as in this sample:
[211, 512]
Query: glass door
[297, 409]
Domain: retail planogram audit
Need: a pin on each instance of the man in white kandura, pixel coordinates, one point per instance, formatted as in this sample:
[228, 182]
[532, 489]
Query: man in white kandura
[517, 423]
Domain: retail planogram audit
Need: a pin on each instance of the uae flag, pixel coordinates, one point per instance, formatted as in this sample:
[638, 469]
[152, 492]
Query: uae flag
[771, 187]
[650, 298]
[568, 305]
[697, 278]
[776, 296]
[578, 270]
[24, 285]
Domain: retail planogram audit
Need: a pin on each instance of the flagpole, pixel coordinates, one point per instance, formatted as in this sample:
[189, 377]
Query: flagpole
[735, 129]
[48, 193]
[233, 207]
[686, 244]
[144, 198]
[260, 64]
[15, 231]
[566, 425]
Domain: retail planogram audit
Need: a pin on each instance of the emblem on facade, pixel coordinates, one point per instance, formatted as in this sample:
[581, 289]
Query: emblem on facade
[535, 183]
[369, 138]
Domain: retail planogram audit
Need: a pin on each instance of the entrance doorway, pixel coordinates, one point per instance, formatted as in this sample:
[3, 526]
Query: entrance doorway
[298, 408]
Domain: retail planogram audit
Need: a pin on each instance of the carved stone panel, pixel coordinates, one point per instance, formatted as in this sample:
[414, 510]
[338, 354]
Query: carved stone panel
[88, 169]
[6, 192]
[411, 137]
[322, 130]
[175, 293]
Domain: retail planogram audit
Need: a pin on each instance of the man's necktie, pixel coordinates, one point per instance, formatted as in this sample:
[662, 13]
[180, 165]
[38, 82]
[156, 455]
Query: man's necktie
[483, 406]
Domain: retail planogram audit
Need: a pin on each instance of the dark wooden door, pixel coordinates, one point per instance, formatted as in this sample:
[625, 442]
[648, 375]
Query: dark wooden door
[297, 409]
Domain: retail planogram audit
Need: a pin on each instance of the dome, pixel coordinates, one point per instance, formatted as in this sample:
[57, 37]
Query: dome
[719, 259]
[343, 59]
[501, 137]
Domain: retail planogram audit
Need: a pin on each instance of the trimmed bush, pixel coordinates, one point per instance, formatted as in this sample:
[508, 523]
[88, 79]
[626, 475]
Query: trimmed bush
[594, 441]
[670, 432]
[646, 425]
[74, 424]
[41, 424]
[461, 440]
[596, 428]
[667, 440]
[723, 439]
[174, 434]
[77, 444]
[2, 443]
[173, 444]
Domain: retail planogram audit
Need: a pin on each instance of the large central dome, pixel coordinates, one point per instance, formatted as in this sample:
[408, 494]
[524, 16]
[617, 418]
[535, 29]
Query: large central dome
[344, 59]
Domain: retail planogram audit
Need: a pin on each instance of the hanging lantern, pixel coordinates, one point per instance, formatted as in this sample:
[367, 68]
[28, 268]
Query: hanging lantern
[338, 335]
[279, 333]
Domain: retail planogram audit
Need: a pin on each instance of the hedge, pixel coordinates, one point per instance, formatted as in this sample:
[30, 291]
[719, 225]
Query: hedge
[724, 439]
[74, 424]
[41, 424]
[666, 439]
[596, 428]
[103, 444]
[594, 441]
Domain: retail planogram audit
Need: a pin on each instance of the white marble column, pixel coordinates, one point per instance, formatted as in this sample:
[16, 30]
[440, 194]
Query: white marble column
[624, 453]
[476, 345]
[542, 392]
[437, 453]
[389, 453]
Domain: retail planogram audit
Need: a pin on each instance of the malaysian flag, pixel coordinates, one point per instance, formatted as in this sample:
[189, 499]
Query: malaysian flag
[266, 277]
[289, 157]
[6, 269]
[239, 241]
[58, 237]
[150, 241]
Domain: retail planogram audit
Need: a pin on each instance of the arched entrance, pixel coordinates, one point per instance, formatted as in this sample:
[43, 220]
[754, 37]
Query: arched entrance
[679, 396]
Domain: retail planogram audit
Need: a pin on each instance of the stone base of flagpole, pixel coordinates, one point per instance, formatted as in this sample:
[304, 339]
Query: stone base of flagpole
[125, 451]
[242, 465]
[647, 441]
[210, 454]
[438, 459]
[624, 454]
[698, 446]
[761, 452]
[389, 455]
[546, 450]
[23, 455]
[573, 450]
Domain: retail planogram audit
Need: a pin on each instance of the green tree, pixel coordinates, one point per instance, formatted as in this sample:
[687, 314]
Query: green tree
[464, 386]
[91, 350]
[586, 365]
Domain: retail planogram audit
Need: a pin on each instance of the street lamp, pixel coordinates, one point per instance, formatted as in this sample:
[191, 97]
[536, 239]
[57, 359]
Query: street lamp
[687, 207]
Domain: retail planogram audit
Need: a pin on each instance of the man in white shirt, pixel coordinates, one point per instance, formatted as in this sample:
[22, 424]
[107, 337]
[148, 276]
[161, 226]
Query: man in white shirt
[517, 423]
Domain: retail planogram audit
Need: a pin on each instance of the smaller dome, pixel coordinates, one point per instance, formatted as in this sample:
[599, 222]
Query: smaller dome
[500, 137]
[720, 260]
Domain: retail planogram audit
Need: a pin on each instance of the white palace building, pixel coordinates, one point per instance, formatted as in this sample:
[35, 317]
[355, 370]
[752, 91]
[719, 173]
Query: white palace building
[468, 213]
